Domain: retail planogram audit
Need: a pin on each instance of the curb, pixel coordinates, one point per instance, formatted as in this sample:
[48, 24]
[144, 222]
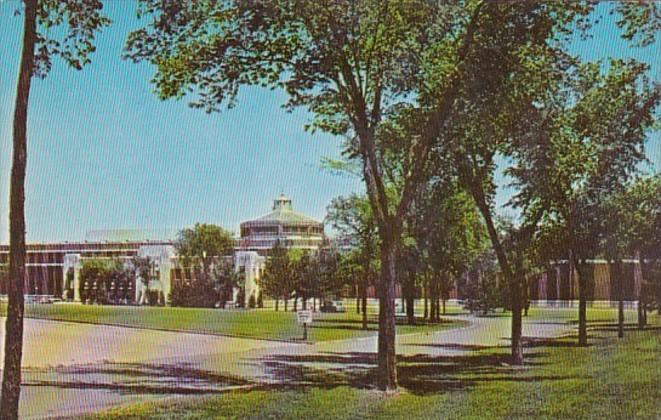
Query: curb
[174, 330]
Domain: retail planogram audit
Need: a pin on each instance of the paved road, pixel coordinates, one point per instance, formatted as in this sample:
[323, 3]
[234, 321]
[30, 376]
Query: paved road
[75, 368]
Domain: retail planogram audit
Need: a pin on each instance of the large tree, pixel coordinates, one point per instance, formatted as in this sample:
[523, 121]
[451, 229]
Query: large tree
[628, 215]
[276, 281]
[204, 241]
[591, 140]
[349, 63]
[449, 236]
[51, 28]
[205, 250]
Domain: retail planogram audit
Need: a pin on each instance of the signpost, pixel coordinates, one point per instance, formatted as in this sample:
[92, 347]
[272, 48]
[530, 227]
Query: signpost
[305, 318]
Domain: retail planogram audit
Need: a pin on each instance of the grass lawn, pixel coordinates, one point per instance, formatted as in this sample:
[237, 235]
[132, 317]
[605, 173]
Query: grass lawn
[262, 323]
[612, 378]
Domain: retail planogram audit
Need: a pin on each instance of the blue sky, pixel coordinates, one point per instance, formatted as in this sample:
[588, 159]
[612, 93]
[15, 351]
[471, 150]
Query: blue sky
[105, 153]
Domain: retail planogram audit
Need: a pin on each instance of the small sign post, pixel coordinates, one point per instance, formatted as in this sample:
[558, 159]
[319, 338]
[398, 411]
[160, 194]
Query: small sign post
[305, 318]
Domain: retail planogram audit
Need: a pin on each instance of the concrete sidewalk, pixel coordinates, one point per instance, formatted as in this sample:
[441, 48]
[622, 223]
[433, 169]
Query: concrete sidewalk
[70, 369]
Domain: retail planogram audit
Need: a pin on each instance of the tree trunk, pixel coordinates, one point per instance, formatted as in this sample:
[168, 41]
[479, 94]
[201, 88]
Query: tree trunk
[410, 299]
[620, 293]
[295, 304]
[503, 262]
[620, 318]
[304, 303]
[642, 321]
[517, 323]
[387, 371]
[276, 305]
[434, 302]
[582, 302]
[364, 308]
[644, 315]
[444, 300]
[425, 297]
[410, 311]
[286, 302]
[11, 378]
[432, 311]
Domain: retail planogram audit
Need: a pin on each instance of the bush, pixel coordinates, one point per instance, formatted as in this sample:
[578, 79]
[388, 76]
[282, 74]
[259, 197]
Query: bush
[241, 298]
[194, 294]
[251, 302]
[260, 300]
[483, 294]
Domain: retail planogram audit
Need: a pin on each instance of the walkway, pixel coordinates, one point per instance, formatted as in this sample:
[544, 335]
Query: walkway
[71, 368]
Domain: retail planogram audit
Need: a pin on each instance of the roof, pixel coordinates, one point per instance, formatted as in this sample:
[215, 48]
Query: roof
[133, 235]
[282, 214]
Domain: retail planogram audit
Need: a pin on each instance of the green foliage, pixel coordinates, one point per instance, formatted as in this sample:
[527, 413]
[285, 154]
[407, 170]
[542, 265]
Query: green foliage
[305, 271]
[448, 229]
[83, 19]
[210, 284]
[482, 289]
[4, 277]
[276, 281]
[203, 252]
[194, 293]
[589, 144]
[352, 218]
[640, 21]
[106, 281]
[241, 298]
[203, 241]
[630, 216]
[144, 268]
[416, 87]
[331, 282]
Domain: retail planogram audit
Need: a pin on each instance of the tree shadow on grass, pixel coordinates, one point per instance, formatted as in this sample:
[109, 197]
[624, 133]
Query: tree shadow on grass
[134, 378]
[338, 326]
[454, 346]
[419, 321]
[419, 374]
[630, 327]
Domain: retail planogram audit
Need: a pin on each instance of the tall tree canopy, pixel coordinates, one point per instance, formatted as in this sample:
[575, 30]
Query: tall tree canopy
[592, 131]
[352, 64]
[204, 240]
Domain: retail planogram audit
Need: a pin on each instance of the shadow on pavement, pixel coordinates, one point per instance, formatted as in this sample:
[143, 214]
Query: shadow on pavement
[419, 374]
[133, 378]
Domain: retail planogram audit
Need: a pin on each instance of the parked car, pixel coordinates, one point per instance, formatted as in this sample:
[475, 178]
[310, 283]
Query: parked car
[332, 306]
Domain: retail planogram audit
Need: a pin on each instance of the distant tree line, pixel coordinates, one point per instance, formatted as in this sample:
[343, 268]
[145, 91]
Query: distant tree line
[300, 275]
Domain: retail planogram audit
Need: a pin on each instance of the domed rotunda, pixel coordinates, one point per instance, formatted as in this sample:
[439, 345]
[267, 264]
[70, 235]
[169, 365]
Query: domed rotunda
[282, 225]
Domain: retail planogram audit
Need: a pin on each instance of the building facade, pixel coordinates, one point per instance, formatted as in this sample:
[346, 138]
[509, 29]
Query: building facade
[53, 269]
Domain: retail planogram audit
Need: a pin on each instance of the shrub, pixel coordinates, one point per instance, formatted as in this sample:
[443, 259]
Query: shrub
[195, 293]
[252, 302]
[483, 294]
[241, 298]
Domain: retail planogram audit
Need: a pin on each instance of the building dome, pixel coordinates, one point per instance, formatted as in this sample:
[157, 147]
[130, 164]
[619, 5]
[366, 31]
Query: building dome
[283, 225]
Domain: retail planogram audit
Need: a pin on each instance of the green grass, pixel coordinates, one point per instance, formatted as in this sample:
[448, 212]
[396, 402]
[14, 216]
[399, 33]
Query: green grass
[261, 324]
[613, 378]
